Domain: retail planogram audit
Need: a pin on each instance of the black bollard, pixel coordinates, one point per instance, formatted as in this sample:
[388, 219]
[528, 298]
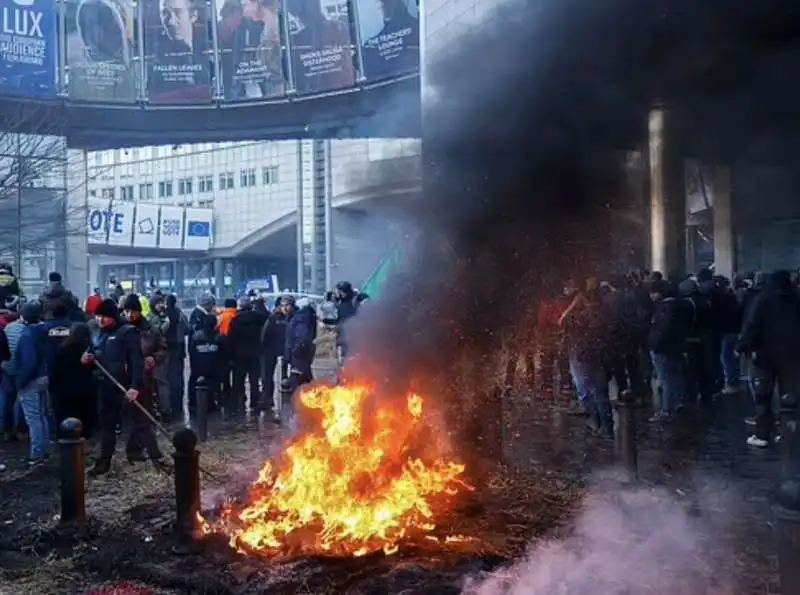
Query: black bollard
[73, 488]
[201, 409]
[786, 504]
[790, 457]
[187, 490]
[626, 416]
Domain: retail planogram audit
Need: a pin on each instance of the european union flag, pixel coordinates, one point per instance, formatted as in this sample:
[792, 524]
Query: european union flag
[198, 229]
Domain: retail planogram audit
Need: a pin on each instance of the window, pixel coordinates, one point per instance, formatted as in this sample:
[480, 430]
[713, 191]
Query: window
[247, 178]
[165, 189]
[93, 193]
[205, 183]
[205, 204]
[269, 175]
[145, 191]
[126, 192]
[226, 181]
[184, 186]
[107, 193]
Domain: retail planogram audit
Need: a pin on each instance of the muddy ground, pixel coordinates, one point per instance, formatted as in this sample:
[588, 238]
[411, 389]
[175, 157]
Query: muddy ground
[549, 462]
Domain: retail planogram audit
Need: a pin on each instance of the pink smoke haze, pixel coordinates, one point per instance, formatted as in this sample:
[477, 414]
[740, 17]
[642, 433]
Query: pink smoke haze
[623, 543]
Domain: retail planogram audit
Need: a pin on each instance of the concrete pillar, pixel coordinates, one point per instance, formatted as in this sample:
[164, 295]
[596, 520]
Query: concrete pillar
[724, 244]
[319, 215]
[667, 195]
[139, 282]
[300, 219]
[178, 270]
[219, 277]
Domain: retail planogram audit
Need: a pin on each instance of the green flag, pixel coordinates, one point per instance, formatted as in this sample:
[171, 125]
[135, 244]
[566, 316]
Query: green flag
[374, 286]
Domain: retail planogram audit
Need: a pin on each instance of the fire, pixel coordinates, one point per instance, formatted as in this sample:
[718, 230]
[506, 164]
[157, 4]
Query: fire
[357, 482]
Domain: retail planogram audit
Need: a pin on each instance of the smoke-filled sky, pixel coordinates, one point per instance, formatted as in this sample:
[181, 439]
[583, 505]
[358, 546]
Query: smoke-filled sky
[534, 107]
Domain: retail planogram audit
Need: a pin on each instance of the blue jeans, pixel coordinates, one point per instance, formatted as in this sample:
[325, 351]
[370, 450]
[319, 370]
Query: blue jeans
[34, 406]
[669, 369]
[592, 388]
[730, 365]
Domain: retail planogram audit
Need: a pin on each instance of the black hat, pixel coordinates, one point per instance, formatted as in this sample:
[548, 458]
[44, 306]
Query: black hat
[55, 277]
[229, 303]
[107, 308]
[132, 303]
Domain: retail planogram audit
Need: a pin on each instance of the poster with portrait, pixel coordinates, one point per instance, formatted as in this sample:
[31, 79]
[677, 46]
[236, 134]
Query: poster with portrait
[250, 54]
[101, 50]
[177, 51]
[389, 31]
[320, 45]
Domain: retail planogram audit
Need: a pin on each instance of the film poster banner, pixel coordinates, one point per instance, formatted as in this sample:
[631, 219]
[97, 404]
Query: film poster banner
[176, 40]
[389, 31]
[101, 50]
[28, 47]
[249, 41]
[320, 44]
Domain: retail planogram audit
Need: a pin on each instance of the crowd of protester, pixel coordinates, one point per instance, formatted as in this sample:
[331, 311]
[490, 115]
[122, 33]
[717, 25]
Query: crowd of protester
[694, 339]
[122, 355]
[122, 358]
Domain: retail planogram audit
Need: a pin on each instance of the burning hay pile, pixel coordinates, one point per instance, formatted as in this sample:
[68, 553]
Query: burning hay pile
[364, 477]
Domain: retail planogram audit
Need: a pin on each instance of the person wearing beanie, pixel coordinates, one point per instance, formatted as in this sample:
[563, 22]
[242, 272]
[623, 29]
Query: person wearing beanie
[244, 342]
[118, 348]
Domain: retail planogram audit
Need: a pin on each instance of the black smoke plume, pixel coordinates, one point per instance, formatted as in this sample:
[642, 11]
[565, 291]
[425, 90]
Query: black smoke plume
[527, 117]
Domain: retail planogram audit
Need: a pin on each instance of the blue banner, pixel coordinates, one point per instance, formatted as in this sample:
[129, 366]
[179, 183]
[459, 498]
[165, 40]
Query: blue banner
[28, 47]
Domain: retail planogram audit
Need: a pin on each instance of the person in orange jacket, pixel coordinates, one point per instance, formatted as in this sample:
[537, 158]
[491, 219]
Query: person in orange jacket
[225, 318]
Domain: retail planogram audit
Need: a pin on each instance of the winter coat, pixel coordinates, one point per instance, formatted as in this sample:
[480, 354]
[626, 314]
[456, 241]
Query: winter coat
[667, 332]
[244, 334]
[54, 294]
[273, 334]
[772, 329]
[119, 350]
[300, 335]
[54, 332]
[205, 355]
[30, 358]
[225, 319]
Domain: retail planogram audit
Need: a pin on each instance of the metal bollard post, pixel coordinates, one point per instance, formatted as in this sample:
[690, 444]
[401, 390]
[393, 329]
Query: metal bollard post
[187, 490]
[73, 487]
[626, 415]
[201, 408]
[790, 457]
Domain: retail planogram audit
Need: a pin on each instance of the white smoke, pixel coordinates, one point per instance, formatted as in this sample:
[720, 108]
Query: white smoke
[623, 543]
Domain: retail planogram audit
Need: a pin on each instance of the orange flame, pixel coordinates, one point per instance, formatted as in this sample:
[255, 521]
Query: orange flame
[352, 485]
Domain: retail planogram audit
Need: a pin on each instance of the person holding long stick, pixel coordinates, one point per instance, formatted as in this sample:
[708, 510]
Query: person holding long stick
[117, 347]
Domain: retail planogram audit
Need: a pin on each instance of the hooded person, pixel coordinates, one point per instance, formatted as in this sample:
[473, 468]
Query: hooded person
[55, 293]
[771, 337]
[117, 346]
[697, 320]
[666, 340]
[73, 388]
[244, 342]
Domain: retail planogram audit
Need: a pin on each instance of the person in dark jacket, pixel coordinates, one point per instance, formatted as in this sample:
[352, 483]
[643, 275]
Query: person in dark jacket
[347, 305]
[273, 342]
[586, 334]
[666, 342]
[697, 323]
[175, 338]
[244, 340]
[54, 294]
[299, 352]
[118, 348]
[205, 359]
[54, 332]
[771, 335]
[73, 388]
[31, 382]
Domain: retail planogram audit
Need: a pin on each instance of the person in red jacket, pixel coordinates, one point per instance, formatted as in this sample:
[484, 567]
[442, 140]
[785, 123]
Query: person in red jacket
[93, 301]
[552, 355]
